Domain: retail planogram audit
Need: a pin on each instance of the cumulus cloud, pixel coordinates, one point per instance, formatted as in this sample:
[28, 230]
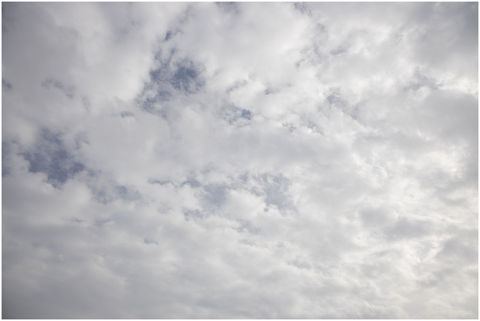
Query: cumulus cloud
[240, 160]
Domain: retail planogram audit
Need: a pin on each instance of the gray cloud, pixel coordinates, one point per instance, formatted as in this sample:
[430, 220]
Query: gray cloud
[240, 160]
[51, 157]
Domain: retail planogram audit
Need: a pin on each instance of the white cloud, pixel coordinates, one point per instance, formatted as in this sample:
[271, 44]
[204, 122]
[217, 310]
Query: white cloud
[242, 160]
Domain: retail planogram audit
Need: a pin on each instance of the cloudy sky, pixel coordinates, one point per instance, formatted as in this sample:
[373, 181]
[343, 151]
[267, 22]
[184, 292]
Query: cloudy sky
[214, 160]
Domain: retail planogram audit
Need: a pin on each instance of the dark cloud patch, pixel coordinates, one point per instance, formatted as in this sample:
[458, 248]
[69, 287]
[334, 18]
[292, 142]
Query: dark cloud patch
[159, 182]
[405, 228]
[301, 264]
[314, 127]
[126, 193]
[247, 226]
[375, 270]
[269, 91]
[69, 91]
[447, 29]
[102, 222]
[106, 190]
[153, 107]
[276, 191]
[338, 51]
[420, 80]
[229, 7]
[244, 177]
[86, 103]
[50, 156]
[235, 115]
[183, 75]
[458, 257]
[195, 214]
[6, 150]
[376, 216]
[303, 8]
[237, 84]
[6, 85]
[214, 195]
[192, 182]
[102, 196]
[247, 114]
[8, 15]
[451, 115]
[291, 127]
[171, 79]
[336, 100]
[150, 240]
[185, 79]
[168, 35]
[125, 114]
[460, 248]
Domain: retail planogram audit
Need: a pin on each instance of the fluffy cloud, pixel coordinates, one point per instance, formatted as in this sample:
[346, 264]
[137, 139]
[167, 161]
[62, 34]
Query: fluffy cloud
[242, 160]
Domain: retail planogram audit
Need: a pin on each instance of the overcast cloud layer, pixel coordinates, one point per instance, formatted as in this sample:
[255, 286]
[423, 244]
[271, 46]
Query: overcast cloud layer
[243, 160]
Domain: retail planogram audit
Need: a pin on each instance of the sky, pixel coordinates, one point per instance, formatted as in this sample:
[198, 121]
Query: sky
[240, 160]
